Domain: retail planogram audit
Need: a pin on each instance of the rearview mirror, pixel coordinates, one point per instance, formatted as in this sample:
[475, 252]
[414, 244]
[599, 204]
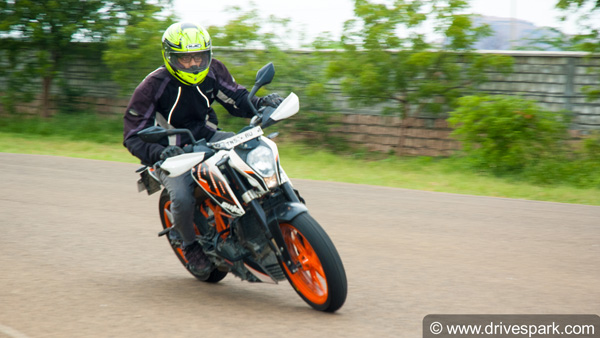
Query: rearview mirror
[265, 75]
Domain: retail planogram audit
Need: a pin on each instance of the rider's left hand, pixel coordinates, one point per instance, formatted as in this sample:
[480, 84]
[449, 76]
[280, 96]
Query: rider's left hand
[170, 151]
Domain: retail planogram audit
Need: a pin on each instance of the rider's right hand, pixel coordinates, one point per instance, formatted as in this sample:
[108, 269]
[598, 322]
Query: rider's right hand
[271, 100]
[170, 151]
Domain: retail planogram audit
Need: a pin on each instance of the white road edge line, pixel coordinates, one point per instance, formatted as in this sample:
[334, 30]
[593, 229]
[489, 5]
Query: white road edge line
[12, 332]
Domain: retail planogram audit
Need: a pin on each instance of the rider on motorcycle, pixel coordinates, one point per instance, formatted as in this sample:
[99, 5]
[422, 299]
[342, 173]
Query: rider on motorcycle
[179, 94]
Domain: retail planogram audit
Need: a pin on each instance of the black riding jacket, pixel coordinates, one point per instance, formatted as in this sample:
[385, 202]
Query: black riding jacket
[161, 99]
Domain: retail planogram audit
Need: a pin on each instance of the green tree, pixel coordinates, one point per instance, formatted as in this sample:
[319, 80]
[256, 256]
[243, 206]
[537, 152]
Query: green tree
[135, 52]
[387, 58]
[587, 15]
[42, 33]
[250, 40]
[240, 45]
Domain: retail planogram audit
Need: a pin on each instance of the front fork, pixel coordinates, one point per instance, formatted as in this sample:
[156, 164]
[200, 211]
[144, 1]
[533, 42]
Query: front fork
[285, 212]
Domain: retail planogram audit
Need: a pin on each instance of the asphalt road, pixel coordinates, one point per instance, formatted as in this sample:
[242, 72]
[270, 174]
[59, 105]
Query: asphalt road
[79, 257]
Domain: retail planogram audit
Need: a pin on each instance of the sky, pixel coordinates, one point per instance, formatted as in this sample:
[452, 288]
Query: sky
[316, 16]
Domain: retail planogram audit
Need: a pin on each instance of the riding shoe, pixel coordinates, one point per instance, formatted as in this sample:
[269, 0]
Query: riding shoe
[198, 263]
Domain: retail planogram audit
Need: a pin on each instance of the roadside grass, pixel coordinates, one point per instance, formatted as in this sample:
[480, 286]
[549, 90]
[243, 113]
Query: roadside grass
[449, 175]
[62, 146]
[80, 127]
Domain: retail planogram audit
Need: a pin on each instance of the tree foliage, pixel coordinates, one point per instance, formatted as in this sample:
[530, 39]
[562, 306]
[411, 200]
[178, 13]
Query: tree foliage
[135, 52]
[388, 58]
[42, 32]
[587, 15]
[250, 40]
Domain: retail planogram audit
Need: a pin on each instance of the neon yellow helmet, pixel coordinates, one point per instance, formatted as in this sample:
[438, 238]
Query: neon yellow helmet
[187, 52]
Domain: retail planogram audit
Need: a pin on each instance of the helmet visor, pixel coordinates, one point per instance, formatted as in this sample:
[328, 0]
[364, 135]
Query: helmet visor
[190, 62]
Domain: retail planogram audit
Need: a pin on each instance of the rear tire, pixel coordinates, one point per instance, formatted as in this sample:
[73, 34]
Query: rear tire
[164, 208]
[321, 279]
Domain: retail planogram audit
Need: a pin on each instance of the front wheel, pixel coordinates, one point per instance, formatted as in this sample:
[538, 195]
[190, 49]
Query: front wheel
[321, 279]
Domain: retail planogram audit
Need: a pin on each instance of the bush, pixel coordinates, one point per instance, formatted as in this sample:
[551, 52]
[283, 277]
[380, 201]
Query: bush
[506, 134]
[591, 147]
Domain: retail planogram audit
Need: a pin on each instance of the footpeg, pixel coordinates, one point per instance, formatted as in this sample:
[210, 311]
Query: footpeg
[165, 231]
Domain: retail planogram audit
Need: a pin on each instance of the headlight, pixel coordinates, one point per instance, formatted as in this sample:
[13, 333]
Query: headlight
[262, 160]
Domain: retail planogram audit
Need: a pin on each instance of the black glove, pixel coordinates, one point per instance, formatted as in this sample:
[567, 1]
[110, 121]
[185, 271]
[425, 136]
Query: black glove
[170, 151]
[272, 100]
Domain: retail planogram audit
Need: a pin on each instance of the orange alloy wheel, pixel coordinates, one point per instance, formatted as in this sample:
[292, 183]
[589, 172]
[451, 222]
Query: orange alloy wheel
[310, 279]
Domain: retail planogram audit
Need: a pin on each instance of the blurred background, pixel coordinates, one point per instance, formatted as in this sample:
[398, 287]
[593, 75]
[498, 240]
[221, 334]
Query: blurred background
[314, 17]
[512, 86]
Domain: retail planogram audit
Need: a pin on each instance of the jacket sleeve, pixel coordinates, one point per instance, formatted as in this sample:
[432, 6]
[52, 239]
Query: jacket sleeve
[230, 94]
[139, 115]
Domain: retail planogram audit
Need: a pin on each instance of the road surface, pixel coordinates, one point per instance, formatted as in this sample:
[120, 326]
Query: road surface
[80, 257]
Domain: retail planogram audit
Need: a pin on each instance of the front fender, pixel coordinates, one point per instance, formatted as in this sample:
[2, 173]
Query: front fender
[285, 212]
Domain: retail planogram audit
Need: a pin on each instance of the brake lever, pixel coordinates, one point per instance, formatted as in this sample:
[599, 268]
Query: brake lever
[256, 120]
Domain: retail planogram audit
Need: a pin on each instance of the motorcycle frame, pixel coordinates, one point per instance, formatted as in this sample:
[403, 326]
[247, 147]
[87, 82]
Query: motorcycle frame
[284, 212]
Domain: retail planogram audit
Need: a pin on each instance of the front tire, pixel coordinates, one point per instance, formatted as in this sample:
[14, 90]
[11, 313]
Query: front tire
[164, 208]
[321, 279]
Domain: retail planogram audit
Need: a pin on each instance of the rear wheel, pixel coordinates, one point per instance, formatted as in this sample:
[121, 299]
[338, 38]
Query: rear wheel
[164, 207]
[321, 279]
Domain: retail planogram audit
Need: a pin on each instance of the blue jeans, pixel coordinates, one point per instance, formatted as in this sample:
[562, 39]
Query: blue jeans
[181, 192]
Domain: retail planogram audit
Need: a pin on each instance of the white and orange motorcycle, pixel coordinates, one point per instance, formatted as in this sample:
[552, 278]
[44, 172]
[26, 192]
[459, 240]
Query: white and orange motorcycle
[250, 220]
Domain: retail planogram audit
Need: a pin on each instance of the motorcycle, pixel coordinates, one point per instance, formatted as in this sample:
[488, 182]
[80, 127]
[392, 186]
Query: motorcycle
[249, 219]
